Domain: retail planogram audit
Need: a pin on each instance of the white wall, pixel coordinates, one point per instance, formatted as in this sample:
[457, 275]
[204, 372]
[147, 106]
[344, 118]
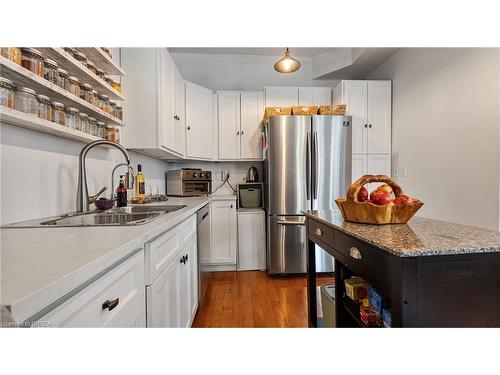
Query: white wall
[446, 125]
[242, 72]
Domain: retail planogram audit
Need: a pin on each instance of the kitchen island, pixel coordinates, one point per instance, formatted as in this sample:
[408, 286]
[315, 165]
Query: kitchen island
[434, 273]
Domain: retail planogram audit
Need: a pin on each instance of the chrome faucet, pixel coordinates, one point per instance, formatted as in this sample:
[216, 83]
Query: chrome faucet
[82, 195]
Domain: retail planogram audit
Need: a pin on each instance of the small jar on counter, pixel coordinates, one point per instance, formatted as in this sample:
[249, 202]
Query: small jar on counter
[63, 80]
[44, 107]
[72, 118]
[91, 66]
[25, 101]
[101, 129]
[93, 126]
[100, 73]
[58, 114]
[6, 93]
[86, 93]
[12, 53]
[110, 133]
[32, 60]
[104, 103]
[84, 123]
[74, 85]
[50, 71]
[119, 112]
[80, 57]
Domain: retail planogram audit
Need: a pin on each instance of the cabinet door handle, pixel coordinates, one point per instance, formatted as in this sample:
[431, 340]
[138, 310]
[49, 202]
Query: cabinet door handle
[237, 133]
[355, 253]
[187, 257]
[318, 232]
[370, 125]
[110, 304]
[242, 132]
[189, 127]
[183, 259]
[366, 125]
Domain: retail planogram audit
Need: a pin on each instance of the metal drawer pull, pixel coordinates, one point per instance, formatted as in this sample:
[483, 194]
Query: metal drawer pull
[318, 232]
[355, 253]
[288, 222]
[110, 304]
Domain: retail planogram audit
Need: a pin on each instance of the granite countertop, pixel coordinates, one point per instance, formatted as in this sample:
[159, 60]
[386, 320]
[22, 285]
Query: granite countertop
[40, 265]
[419, 237]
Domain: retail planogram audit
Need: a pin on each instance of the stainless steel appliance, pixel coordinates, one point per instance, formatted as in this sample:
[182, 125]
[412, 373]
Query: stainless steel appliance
[307, 167]
[188, 182]
[204, 240]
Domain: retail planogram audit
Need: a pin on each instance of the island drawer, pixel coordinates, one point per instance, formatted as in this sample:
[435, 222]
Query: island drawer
[322, 232]
[366, 261]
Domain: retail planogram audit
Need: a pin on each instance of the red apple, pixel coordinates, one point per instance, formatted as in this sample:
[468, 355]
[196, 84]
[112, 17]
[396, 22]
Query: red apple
[385, 188]
[380, 197]
[362, 194]
[402, 199]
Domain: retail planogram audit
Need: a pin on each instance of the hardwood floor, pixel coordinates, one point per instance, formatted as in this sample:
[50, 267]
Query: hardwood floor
[254, 299]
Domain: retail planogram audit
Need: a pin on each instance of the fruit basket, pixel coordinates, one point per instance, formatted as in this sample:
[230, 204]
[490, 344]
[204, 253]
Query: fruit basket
[370, 213]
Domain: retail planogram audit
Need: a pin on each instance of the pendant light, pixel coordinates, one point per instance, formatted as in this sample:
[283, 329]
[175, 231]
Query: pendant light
[287, 64]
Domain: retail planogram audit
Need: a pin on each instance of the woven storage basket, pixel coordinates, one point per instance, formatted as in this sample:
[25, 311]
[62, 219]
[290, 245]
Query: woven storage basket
[369, 213]
[276, 111]
[334, 110]
[305, 110]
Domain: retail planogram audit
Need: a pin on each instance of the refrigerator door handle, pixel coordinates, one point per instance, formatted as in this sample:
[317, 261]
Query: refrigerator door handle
[308, 167]
[315, 165]
[288, 222]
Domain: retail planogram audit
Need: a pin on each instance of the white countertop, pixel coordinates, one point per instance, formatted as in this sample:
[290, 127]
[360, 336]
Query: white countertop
[41, 265]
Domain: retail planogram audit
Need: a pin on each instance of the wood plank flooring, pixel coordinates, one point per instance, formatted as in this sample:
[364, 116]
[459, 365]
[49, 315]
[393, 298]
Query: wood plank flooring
[254, 299]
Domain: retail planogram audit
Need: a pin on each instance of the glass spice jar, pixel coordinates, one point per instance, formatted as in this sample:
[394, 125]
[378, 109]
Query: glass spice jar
[84, 123]
[93, 126]
[91, 66]
[107, 51]
[58, 114]
[25, 101]
[86, 93]
[6, 93]
[32, 60]
[79, 56]
[119, 112]
[104, 103]
[12, 53]
[70, 50]
[101, 129]
[116, 86]
[44, 107]
[112, 108]
[100, 73]
[74, 85]
[108, 80]
[72, 118]
[95, 95]
[117, 134]
[50, 71]
[63, 80]
[110, 133]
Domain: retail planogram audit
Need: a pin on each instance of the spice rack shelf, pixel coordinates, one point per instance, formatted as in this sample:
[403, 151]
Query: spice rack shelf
[23, 77]
[102, 60]
[75, 68]
[14, 117]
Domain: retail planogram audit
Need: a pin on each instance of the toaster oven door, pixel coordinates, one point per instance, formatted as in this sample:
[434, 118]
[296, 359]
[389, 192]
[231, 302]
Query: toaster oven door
[196, 188]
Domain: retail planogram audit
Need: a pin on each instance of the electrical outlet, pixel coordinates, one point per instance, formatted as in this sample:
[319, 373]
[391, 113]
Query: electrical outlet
[404, 171]
[395, 172]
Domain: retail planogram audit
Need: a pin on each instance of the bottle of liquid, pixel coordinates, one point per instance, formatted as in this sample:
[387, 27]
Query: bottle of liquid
[121, 194]
[140, 184]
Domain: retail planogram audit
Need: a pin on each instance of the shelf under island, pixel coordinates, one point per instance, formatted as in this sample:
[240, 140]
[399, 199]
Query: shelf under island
[433, 273]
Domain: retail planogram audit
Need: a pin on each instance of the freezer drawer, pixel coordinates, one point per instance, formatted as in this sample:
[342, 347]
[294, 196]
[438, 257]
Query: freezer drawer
[287, 244]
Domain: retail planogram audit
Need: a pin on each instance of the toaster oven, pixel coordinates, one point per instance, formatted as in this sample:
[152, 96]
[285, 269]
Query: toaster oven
[188, 182]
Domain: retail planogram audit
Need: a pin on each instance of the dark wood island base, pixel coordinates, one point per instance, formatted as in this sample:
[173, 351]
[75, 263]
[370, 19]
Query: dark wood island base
[435, 273]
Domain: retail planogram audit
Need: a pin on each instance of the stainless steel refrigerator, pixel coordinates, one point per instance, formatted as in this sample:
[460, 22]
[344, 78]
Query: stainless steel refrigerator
[308, 166]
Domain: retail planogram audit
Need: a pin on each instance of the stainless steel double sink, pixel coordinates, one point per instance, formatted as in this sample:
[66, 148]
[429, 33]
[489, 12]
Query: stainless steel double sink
[120, 216]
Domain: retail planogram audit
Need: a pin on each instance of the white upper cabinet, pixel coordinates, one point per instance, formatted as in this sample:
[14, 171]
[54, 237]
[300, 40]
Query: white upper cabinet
[199, 122]
[252, 112]
[379, 117]
[315, 95]
[369, 103]
[180, 111]
[229, 125]
[282, 96]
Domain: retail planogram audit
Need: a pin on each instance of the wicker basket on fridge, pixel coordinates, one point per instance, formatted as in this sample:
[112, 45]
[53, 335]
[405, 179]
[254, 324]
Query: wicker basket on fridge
[276, 111]
[370, 213]
[334, 110]
[300, 110]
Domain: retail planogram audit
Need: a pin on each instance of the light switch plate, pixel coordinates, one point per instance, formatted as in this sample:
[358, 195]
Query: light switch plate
[404, 171]
[395, 172]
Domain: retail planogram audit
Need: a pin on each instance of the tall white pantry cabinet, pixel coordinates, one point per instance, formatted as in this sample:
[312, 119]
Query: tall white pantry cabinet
[370, 105]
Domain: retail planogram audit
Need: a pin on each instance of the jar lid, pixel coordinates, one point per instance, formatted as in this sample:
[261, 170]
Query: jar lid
[43, 97]
[7, 81]
[92, 119]
[80, 55]
[83, 114]
[26, 90]
[71, 78]
[50, 62]
[91, 63]
[32, 51]
[72, 109]
[58, 105]
[62, 71]
[86, 86]
[118, 105]
[100, 123]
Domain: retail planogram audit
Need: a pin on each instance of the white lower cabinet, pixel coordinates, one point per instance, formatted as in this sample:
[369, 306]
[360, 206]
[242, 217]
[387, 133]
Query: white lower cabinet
[172, 260]
[116, 299]
[251, 240]
[224, 233]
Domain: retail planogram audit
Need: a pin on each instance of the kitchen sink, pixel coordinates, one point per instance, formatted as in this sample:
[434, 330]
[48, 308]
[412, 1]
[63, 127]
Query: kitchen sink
[120, 216]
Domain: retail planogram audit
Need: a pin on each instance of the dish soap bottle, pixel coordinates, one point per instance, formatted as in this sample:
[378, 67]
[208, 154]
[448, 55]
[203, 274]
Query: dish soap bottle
[121, 194]
[140, 185]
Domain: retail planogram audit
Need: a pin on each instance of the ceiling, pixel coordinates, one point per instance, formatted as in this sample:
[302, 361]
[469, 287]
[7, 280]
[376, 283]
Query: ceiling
[267, 51]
